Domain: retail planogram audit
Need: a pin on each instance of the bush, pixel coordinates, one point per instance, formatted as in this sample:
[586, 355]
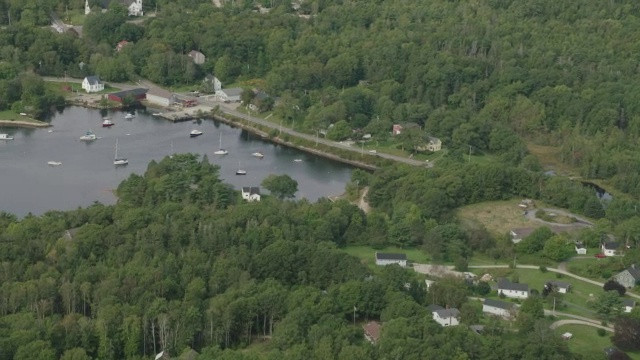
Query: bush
[543, 269]
[601, 332]
[558, 276]
[502, 296]
[461, 264]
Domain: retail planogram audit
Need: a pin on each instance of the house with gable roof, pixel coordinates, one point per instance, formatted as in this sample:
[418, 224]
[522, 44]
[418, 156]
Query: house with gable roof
[513, 290]
[629, 277]
[92, 84]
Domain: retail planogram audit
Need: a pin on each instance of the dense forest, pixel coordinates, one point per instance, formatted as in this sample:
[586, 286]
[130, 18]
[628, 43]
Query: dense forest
[182, 263]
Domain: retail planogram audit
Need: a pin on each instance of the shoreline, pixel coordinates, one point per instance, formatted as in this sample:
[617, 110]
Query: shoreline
[24, 124]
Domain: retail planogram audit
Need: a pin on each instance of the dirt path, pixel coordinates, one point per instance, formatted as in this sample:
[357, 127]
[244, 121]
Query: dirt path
[559, 323]
[362, 202]
[580, 223]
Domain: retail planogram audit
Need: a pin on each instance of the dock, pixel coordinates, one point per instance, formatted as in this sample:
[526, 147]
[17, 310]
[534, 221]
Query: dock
[186, 114]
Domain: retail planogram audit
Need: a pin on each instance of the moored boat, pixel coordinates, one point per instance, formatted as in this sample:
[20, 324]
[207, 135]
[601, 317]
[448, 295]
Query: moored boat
[258, 154]
[6, 137]
[88, 136]
[129, 116]
[54, 163]
[195, 133]
[107, 123]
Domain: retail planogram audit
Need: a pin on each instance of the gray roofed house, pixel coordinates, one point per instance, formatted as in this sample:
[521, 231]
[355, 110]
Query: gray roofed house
[391, 258]
[230, 94]
[500, 308]
[610, 248]
[513, 290]
[629, 277]
[444, 317]
[628, 304]
[251, 193]
[434, 307]
[499, 304]
[563, 287]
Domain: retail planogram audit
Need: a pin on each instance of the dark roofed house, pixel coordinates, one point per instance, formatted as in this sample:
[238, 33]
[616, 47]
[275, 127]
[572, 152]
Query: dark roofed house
[628, 304]
[500, 308]
[563, 287]
[580, 248]
[610, 248]
[629, 277]
[197, 57]
[513, 290]
[446, 317]
[372, 331]
[135, 94]
[391, 258]
[251, 193]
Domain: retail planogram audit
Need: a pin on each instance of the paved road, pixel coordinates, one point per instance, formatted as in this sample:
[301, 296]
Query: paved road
[550, 269]
[580, 221]
[226, 109]
[559, 323]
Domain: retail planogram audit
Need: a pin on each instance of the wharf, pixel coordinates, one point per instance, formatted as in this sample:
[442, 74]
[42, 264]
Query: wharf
[186, 114]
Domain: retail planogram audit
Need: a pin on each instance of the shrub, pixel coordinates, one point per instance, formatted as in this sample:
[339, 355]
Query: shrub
[558, 275]
[543, 269]
[601, 332]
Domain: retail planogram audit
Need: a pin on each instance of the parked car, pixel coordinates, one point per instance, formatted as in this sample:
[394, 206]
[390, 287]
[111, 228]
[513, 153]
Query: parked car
[600, 256]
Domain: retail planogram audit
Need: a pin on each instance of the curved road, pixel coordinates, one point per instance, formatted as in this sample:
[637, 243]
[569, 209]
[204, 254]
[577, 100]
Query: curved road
[550, 269]
[559, 323]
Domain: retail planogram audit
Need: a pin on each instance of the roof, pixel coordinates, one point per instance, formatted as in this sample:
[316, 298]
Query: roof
[260, 95]
[560, 284]
[133, 92]
[434, 139]
[634, 271]
[193, 53]
[477, 328]
[210, 77]
[508, 285]
[390, 256]
[522, 232]
[611, 245]
[156, 91]
[372, 329]
[629, 302]
[232, 91]
[434, 307]
[93, 80]
[498, 304]
[580, 245]
[252, 190]
[448, 313]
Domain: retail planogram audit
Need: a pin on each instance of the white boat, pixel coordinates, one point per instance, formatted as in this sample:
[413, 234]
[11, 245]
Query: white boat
[221, 151]
[241, 172]
[107, 123]
[195, 133]
[6, 137]
[258, 154]
[119, 161]
[54, 163]
[156, 114]
[50, 131]
[129, 116]
[89, 136]
[297, 160]
[23, 114]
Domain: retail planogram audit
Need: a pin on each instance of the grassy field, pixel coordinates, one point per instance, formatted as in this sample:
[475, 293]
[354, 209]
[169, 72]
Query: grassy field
[499, 217]
[585, 340]
[11, 115]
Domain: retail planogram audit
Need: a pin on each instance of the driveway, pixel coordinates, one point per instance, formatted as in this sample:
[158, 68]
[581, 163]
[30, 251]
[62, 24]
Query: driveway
[559, 323]
[579, 224]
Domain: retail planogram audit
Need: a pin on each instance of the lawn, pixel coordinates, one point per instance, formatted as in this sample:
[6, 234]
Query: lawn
[499, 217]
[576, 301]
[11, 115]
[367, 254]
[585, 340]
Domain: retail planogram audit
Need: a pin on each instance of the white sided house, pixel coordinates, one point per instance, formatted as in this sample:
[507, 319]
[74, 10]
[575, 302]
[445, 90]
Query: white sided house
[158, 96]
[134, 7]
[251, 193]
[610, 248]
[629, 277]
[197, 57]
[445, 317]
[561, 286]
[628, 305]
[230, 94]
[513, 290]
[499, 308]
[391, 258]
[580, 248]
[92, 84]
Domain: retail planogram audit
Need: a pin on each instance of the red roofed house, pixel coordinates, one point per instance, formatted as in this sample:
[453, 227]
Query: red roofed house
[121, 45]
[372, 331]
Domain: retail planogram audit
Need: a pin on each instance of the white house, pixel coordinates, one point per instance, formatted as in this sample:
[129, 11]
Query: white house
[562, 286]
[231, 94]
[499, 308]
[390, 258]
[610, 248]
[434, 144]
[92, 84]
[628, 305]
[133, 6]
[513, 290]
[518, 235]
[158, 96]
[580, 248]
[428, 283]
[212, 84]
[445, 317]
[629, 277]
[197, 57]
[251, 193]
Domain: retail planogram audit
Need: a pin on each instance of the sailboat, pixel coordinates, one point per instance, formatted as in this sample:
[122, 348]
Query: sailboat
[221, 151]
[119, 161]
[240, 171]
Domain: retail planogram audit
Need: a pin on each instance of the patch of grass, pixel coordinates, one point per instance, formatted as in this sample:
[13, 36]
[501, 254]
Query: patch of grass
[549, 157]
[585, 340]
[14, 116]
[499, 217]
[76, 18]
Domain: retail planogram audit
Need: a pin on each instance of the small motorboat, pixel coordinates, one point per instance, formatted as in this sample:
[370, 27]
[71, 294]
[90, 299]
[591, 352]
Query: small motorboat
[129, 116]
[258, 154]
[297, 160]
[6, 137]
[23, 114]
[156, 114]
[54, 163]
[107, 123]
[220, 152]
[88, 136]
[49, 131]
[241, 172]
[195, 133]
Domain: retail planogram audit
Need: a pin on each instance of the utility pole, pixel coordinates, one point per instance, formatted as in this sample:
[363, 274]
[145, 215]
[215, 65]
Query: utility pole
[280, 127]
[317, 137]
[469, 153]
[354, 315]
[362, 150]
[554, 305]
[358, 187]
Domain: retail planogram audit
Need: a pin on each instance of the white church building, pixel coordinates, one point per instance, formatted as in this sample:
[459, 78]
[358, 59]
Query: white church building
[134, 6]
